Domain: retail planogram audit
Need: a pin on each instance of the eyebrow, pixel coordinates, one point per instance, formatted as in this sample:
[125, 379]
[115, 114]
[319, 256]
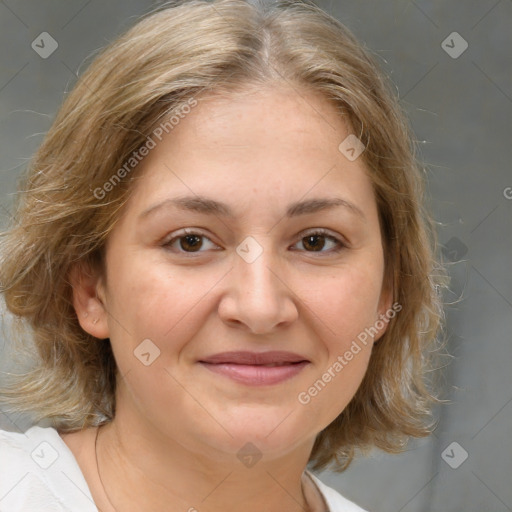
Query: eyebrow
[209, 206]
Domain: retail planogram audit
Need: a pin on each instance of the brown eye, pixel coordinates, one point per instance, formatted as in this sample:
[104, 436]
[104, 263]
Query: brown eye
[188, 242]
[316, 241]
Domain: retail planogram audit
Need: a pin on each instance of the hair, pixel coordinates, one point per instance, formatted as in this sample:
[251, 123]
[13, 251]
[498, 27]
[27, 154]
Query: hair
[191, 49]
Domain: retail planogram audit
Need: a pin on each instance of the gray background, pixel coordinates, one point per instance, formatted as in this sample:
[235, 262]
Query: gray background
[461, 112]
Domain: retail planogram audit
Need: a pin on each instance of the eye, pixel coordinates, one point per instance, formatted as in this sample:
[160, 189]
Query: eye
[188, 242]
[316, 240]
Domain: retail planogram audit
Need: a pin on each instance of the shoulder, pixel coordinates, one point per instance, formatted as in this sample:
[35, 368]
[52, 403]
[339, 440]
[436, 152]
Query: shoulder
[335, 501]
[39, 472]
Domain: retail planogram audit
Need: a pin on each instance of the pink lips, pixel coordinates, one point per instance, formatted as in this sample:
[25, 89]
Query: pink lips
[256, 369]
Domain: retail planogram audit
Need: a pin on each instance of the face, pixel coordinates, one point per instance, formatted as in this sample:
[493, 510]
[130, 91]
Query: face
[277, 248]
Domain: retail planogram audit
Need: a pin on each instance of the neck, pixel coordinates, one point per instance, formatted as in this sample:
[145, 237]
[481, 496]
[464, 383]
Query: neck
[140, 469]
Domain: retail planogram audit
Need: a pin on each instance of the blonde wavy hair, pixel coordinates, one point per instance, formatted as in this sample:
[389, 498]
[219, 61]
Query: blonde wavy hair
[177, 52]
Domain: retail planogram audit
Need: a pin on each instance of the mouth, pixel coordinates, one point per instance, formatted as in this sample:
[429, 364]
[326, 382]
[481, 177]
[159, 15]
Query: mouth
[272, 358]
[256, 369]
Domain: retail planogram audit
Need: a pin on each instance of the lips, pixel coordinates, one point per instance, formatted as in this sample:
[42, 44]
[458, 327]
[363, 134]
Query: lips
[256, 369]
[272, 358]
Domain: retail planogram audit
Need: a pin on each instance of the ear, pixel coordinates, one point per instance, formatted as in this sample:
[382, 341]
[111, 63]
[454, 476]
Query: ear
[385, 305]
[89, 299]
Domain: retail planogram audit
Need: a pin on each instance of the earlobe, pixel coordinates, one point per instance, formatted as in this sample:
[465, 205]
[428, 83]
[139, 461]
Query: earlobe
[89, 300]
[386, 302]
[385, 307]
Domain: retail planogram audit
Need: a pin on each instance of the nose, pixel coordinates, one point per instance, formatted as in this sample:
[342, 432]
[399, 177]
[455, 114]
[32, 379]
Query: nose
[258, 298]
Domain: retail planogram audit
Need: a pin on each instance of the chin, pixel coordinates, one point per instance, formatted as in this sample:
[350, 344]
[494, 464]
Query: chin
[272, 435]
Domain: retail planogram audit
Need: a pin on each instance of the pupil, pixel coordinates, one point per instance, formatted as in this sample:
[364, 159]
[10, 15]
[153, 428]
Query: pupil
[193, 241]
[315, 247]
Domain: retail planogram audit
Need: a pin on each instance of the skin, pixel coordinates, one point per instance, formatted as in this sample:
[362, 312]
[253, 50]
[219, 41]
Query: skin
[178, 427]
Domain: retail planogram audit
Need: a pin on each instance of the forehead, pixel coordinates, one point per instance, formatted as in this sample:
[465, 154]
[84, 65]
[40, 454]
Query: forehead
[275, 145]
[274, 116]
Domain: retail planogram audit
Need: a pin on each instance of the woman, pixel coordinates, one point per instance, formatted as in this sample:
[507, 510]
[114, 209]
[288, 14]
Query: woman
[223, 254]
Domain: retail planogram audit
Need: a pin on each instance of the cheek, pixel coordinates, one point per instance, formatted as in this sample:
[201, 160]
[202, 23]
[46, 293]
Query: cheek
[347, 303]
[149, 302]
[165, 309]
[331, 391]
[344, 312]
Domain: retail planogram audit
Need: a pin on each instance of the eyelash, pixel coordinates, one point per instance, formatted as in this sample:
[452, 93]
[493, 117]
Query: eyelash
[317, 232]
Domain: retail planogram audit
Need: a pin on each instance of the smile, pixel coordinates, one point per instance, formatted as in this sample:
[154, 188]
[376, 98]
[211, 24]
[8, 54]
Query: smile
[257, 374]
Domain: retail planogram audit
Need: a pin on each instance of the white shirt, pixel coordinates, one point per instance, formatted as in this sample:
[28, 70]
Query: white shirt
[39, 473]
